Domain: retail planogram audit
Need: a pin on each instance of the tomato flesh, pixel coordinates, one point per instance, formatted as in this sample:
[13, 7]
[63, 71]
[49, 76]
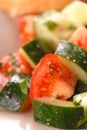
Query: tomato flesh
[52, 78]
[26, 29]
[79, 37]
[11, 64]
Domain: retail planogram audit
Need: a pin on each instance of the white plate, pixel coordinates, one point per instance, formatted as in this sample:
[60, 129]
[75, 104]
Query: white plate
[20, 121]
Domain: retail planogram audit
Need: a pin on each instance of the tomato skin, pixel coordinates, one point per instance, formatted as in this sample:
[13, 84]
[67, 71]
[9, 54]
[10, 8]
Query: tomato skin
[79, 37]
[14, 63]
[50, 77]
[26, 29]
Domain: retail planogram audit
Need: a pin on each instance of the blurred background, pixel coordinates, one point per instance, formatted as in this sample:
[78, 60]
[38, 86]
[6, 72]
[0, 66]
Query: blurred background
[19, 29]
[20, 7]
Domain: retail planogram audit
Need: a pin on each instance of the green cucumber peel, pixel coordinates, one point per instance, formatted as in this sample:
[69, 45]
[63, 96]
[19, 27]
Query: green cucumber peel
[14, 92]
[81, 122]
[65, 48]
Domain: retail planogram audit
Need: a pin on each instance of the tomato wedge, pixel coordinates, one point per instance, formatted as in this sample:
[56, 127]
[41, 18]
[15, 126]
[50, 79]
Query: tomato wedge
[52, 78]
[79, 37]
[26, 29]
[11, 64]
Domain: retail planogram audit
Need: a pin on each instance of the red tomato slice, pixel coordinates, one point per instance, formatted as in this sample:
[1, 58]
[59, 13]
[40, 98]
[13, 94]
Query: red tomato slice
[26, 28]
[79, 37]
[10, 64]
[52, 78]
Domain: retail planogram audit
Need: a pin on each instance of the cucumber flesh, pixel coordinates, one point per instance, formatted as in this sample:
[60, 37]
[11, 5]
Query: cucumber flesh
[57, 113]
[52, 26]
[75, 58]
[81, 99]
[76, 12]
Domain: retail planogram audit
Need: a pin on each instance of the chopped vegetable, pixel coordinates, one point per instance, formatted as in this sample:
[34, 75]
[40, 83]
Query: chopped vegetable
[13, 64]
[26, 29]
[58, 113]
[52, 78]
[75, 58]
[81, 99]
[79, 37]
[76, 12]
[32, 52]
[15, 93]
[51, 27]
[58, 68]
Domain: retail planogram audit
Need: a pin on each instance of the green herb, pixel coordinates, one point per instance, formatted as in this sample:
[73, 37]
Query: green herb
[71, 27]
[14, 60]
[52, 67]
[11, 73]
[51, 25]
[21, 78]
[77, 103]
[24, 88]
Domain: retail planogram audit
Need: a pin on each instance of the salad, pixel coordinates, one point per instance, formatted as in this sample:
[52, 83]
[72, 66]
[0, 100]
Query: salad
[49, 71]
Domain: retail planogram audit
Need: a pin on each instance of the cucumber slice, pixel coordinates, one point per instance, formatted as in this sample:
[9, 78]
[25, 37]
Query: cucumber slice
[57, 113]
[81, 87]
[81, 99]
[52, 26]
[32, 52]
[76, 12]
[75, 58]
[13, 95]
